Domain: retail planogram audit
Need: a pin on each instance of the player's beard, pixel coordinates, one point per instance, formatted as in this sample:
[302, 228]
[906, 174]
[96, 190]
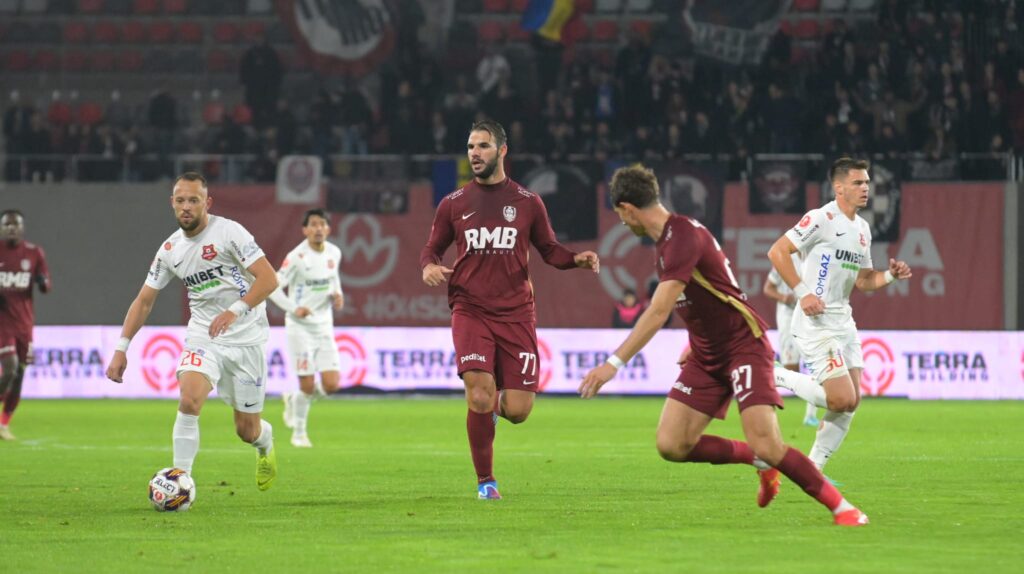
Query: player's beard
[191, 226]
[488, 170]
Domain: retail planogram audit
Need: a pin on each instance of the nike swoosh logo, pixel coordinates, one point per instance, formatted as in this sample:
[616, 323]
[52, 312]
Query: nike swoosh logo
[740, 399]
[840, 234]
[247, 405]
[529, 382]
[468, 215]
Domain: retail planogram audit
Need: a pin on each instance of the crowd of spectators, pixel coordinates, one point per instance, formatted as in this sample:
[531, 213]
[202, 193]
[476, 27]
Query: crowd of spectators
[936, 77]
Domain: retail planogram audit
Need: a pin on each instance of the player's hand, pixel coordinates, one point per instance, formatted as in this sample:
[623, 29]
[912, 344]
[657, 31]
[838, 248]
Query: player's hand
[588, 260]
[118, 363]
[684, 356]
[301, 312]
[812, 305]
[338, 301]
[790, 300]
[596, 379]
[30, 355]
[221, 323]
[434, 274]
[900, 269]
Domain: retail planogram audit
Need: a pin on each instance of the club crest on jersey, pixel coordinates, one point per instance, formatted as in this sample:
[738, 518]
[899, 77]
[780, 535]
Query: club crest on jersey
[863, 242]
[330, 264]
[510, 213]
[26, 265]
[167, 246]
[209, 252]
[805, 221]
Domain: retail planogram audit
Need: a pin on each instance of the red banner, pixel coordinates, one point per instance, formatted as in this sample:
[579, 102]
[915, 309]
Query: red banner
[950, 234]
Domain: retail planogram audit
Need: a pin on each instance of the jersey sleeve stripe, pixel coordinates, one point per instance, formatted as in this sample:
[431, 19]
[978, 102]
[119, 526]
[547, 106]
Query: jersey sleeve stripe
[731, 301]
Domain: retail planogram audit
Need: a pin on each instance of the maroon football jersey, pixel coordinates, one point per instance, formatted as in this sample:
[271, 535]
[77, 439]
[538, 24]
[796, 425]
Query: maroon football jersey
[492, 227]
[715, 309]
[21, 267]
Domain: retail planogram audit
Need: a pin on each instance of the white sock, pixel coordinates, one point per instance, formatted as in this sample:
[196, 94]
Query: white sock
[265, 441]
[831, 433]
[842, 507]
[811, 411]
[301, 404]
[760, 464]
[804, 386]
[318, 389]
[185, 437]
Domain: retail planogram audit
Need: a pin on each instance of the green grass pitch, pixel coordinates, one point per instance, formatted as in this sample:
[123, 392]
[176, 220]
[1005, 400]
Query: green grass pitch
[389, 487]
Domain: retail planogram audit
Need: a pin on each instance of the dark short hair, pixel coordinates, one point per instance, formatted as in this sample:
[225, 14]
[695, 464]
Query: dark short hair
[636, 185]
[315, 212]
[16, 212]
[492, 127]
[844, 165]
[191, 176]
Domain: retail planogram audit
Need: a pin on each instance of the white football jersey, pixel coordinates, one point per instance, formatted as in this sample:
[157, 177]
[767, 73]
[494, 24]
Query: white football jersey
[834, 249]
[214, 267]
[311, 277]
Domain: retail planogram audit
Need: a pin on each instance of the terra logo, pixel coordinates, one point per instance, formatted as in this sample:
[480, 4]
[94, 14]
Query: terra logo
[546, 360]
[353, 360]
[159, 362]
[879, 367]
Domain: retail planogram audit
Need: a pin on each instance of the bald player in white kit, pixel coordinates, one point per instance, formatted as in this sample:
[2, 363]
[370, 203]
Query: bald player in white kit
[835, 245]
[228, 279]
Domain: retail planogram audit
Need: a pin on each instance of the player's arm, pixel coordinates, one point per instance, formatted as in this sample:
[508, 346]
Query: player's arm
[870, 279]
[42, 277]
[138, 312]
[279, 298]
[781, 257]
[771, 290]
[652, 319]
[554, 253]
[337, 295]
[442, 233]
[264, 283]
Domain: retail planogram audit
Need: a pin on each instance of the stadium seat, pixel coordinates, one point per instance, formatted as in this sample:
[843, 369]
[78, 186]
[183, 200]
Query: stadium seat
[102, 61]
[187, 62]
[175, 6]
[519, 6]
[495, 6]
[605, 31]
[225, 33]
[642, 27]
[805, 29]
[90, 6]
[75, 61]
[106, 33]
[133, 32]
[258, 6]
[863, 5]
[639, 6]
[58, 113]
[585, 6]
[46, 61]
[147, 7]
[218, 61]
[213, 113]
[253, 31]
[161, 32]
[833, 5]
[805, 6]
[490, 31]
[17, 61]
[90, 113]
[576, 30]
[608, 5]
[76, 33]
[33, 6]
[129, 61]
[158, 60]
[190, 33]
[514, 32]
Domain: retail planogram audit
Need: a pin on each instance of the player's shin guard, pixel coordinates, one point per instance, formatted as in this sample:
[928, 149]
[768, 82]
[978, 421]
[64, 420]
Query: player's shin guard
[13, 396]
[302, 403]
[802, 385]
[833, 429]
[718, 450]
[186, 440]
[265, 441]
[802, 471]
[480, 427]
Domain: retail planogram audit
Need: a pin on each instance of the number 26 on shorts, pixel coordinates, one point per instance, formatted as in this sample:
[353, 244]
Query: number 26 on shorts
[191, 359]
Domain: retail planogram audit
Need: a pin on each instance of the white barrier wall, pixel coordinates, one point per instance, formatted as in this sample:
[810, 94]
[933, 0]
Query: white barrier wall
[70, 362]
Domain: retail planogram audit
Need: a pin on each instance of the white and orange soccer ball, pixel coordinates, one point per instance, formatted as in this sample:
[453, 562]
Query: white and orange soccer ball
[172, 490]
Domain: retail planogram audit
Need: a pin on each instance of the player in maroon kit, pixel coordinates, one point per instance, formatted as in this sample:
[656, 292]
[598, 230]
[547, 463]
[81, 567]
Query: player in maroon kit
[729, 352]
[493, 220]
[22, 265]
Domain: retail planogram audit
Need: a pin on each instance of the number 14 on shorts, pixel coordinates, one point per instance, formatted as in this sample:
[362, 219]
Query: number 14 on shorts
[741, 382]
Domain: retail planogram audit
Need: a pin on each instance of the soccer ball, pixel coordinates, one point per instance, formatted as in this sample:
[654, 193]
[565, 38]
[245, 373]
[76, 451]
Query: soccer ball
[172, 490]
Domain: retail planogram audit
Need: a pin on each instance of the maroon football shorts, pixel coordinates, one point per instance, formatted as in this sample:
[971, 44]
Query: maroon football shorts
[747, 374]
[20, 343]
[508, 351]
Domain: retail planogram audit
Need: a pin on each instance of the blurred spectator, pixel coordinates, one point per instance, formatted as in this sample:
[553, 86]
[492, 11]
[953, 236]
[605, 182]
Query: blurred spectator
[356, 119]
[631, 66]
[491, 69]
[780, 114]
[261, 73]
[460, 105]
[627, 310]
[889, 142]
[163, 118]
[17, 125]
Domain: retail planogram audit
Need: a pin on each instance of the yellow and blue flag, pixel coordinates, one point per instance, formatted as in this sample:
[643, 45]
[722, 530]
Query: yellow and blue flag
[547, 18]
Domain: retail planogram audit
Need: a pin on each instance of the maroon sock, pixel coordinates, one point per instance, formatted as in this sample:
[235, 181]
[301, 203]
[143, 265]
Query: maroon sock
[12, 398]
[480, 427]
[718, 450]
[802, 471]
